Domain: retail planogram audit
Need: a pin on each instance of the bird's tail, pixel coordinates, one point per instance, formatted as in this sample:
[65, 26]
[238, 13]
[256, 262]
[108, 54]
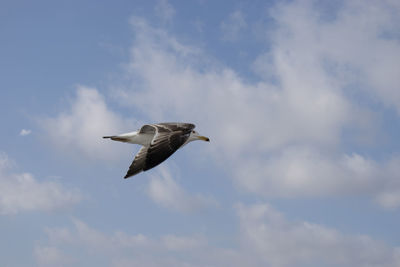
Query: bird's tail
[117, 138]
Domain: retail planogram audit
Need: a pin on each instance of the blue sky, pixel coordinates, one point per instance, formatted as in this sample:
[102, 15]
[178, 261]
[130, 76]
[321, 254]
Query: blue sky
[300, 99]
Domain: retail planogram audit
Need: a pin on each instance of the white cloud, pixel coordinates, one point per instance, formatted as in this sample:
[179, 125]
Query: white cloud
[302, 105]
[118, 248]
[303, 171]
[166, 192]
[25, 132]
[80, 129]
[274, 241]
[22, 192]
[359, 46]
[264, 238]
[233, 25]
[5, 161]
[51, 256]
[335, 55]
[182, 84]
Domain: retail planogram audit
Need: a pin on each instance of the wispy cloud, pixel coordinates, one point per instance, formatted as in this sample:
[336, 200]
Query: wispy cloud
[115, 249]
[233, 25]
[276, 241]
[345, 46]
[51, 256]
[265, 238]
[166, 192]
[80, 128]
[22, 192]
[165, 11]
[25, 132]
[304, 171]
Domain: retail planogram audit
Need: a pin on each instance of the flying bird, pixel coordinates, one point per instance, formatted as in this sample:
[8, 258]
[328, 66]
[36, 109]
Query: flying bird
[159, 141]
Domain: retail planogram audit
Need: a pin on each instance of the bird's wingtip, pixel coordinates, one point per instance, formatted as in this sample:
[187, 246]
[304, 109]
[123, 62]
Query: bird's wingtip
[128, 175]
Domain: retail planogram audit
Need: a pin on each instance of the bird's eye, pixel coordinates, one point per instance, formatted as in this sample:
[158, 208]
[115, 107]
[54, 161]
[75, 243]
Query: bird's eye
[193, 131]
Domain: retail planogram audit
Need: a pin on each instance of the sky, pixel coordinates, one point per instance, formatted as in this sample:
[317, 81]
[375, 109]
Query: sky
[300, 99]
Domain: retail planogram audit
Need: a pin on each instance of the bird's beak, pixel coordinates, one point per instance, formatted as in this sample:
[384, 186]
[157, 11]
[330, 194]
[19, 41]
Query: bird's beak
[204, 138]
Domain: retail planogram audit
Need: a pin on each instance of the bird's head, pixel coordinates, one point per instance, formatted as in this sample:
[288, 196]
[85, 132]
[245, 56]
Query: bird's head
[196, 136]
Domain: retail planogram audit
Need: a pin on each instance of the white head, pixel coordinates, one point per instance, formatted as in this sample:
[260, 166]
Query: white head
[196, 136]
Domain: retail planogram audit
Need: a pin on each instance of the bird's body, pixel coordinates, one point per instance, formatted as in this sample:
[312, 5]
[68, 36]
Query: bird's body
[159, 141]
[133, 138]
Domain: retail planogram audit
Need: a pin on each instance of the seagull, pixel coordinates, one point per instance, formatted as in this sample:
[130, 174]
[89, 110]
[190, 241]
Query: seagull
[159, 141]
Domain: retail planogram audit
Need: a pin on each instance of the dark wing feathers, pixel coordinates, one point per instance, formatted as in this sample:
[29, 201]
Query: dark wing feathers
[163, 147]
[138, 163]
[168, 138]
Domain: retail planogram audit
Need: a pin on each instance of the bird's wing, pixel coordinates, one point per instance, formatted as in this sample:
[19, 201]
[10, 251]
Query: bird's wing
[164, 145]
[176, 126]
[148, 129]
[165, 142]
[138, 163]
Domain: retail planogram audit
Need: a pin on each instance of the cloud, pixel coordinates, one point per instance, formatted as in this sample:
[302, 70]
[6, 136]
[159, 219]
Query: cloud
[166, 192]
[22, 192]
[165, 10]
[165, 72]
[50, 256]
[275, 241]
[303, 171]
[182, 243]
[233, 25]
[264, 238]
[116, 249]
[311, 92]
[358, 45]
[25, 132]
[81, 127]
